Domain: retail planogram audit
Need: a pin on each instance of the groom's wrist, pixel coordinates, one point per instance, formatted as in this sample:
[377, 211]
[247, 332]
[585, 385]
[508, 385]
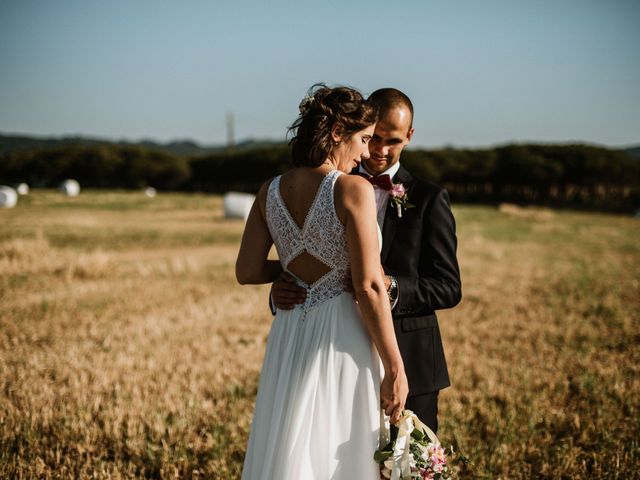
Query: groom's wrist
[392, 291]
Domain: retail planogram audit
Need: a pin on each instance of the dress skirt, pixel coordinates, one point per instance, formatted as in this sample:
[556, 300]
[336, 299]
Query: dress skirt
[317, 413]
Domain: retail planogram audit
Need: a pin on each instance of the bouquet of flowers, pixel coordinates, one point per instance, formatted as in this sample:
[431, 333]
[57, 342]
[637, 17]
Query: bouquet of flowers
[411, 451]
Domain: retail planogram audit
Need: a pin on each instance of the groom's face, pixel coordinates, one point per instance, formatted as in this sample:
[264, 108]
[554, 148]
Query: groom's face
[393, 132]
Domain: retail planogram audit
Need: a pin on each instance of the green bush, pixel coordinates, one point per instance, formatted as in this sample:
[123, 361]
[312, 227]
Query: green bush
[558, 175]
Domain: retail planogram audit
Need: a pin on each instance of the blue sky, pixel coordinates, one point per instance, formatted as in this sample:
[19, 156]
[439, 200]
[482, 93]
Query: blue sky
[479, 72]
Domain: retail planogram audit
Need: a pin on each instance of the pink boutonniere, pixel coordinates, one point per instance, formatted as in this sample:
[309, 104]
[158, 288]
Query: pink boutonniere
[399, 197]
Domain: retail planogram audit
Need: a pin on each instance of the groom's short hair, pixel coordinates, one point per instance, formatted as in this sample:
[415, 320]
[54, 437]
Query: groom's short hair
[387, 98]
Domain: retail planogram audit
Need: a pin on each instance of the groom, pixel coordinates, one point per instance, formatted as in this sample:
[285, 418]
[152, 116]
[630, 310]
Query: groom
[418, 254]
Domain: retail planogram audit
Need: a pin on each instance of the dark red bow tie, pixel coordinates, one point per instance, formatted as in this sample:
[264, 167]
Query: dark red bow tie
[381, 181]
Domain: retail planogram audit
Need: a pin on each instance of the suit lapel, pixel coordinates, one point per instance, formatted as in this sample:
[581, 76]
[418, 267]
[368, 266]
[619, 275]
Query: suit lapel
[391, 215]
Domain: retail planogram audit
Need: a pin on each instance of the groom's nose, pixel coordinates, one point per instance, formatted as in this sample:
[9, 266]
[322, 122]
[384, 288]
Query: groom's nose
[376, 149]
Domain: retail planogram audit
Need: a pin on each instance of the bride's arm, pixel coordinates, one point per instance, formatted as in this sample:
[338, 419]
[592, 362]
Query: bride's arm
[252, 265]
[357, 207]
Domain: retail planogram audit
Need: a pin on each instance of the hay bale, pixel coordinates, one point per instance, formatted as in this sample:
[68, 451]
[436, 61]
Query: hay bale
[70, 187]
[22, 188]
[509, 209]
[237, 205]
[532, 213]
[8, 197]
[150, 192]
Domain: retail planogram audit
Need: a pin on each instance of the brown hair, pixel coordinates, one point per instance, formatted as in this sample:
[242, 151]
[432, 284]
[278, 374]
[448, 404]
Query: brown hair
[387, 98]
[320, 110]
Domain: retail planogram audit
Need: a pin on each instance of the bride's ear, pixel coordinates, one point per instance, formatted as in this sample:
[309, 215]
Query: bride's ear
[336, 133]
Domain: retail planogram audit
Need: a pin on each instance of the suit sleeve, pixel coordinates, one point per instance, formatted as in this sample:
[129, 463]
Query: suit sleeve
[272, 306]
[438, 285]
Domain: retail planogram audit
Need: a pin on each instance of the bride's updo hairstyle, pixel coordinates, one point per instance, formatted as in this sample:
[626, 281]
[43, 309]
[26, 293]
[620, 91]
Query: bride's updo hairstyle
[320, 110]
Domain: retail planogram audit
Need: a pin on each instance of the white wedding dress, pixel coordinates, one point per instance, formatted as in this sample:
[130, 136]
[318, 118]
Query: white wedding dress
[317, 412]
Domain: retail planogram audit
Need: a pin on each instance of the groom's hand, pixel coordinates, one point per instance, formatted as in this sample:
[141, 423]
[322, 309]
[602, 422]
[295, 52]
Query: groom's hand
[285, 293]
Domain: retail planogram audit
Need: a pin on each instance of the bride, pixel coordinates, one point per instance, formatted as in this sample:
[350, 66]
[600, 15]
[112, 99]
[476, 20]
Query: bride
[321, 389]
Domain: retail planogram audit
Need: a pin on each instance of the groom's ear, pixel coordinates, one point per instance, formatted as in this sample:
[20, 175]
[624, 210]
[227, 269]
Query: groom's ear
[409, 134]
[336, 133]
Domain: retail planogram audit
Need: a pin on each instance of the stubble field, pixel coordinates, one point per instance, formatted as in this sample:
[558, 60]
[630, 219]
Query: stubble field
[127, 350]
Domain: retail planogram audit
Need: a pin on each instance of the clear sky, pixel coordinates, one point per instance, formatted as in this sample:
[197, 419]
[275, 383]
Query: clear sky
[480, 72]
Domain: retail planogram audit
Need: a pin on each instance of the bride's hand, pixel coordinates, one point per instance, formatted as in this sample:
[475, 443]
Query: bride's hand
[393, 394]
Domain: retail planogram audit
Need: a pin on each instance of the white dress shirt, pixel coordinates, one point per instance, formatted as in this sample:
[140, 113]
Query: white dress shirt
[382, 196]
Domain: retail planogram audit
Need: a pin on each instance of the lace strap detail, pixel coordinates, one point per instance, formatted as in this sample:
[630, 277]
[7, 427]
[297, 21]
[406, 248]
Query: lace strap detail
[283, 230]
[325, 205]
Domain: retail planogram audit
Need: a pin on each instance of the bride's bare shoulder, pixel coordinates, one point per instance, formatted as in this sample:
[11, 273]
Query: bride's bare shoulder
[262, 194]
[353, 188]
[353, 194]
[264, 188]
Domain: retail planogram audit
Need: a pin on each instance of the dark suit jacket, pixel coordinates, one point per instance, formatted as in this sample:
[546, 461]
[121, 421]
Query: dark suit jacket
[419, 249]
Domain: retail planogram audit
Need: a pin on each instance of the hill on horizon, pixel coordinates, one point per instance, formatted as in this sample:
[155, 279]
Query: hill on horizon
[12, 143]
[191, 148]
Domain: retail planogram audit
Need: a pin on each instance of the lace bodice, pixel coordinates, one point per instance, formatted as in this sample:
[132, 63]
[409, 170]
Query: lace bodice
[322, 236]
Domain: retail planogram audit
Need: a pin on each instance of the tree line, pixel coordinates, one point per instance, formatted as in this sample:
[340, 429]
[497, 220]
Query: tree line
[578, 176]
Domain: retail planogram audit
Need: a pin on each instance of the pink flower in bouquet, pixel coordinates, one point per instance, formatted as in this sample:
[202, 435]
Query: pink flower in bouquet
[438, 457]
[426, 474]
[398, 190]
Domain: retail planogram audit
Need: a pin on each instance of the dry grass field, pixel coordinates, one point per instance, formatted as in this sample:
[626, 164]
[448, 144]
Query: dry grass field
[127, 350]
